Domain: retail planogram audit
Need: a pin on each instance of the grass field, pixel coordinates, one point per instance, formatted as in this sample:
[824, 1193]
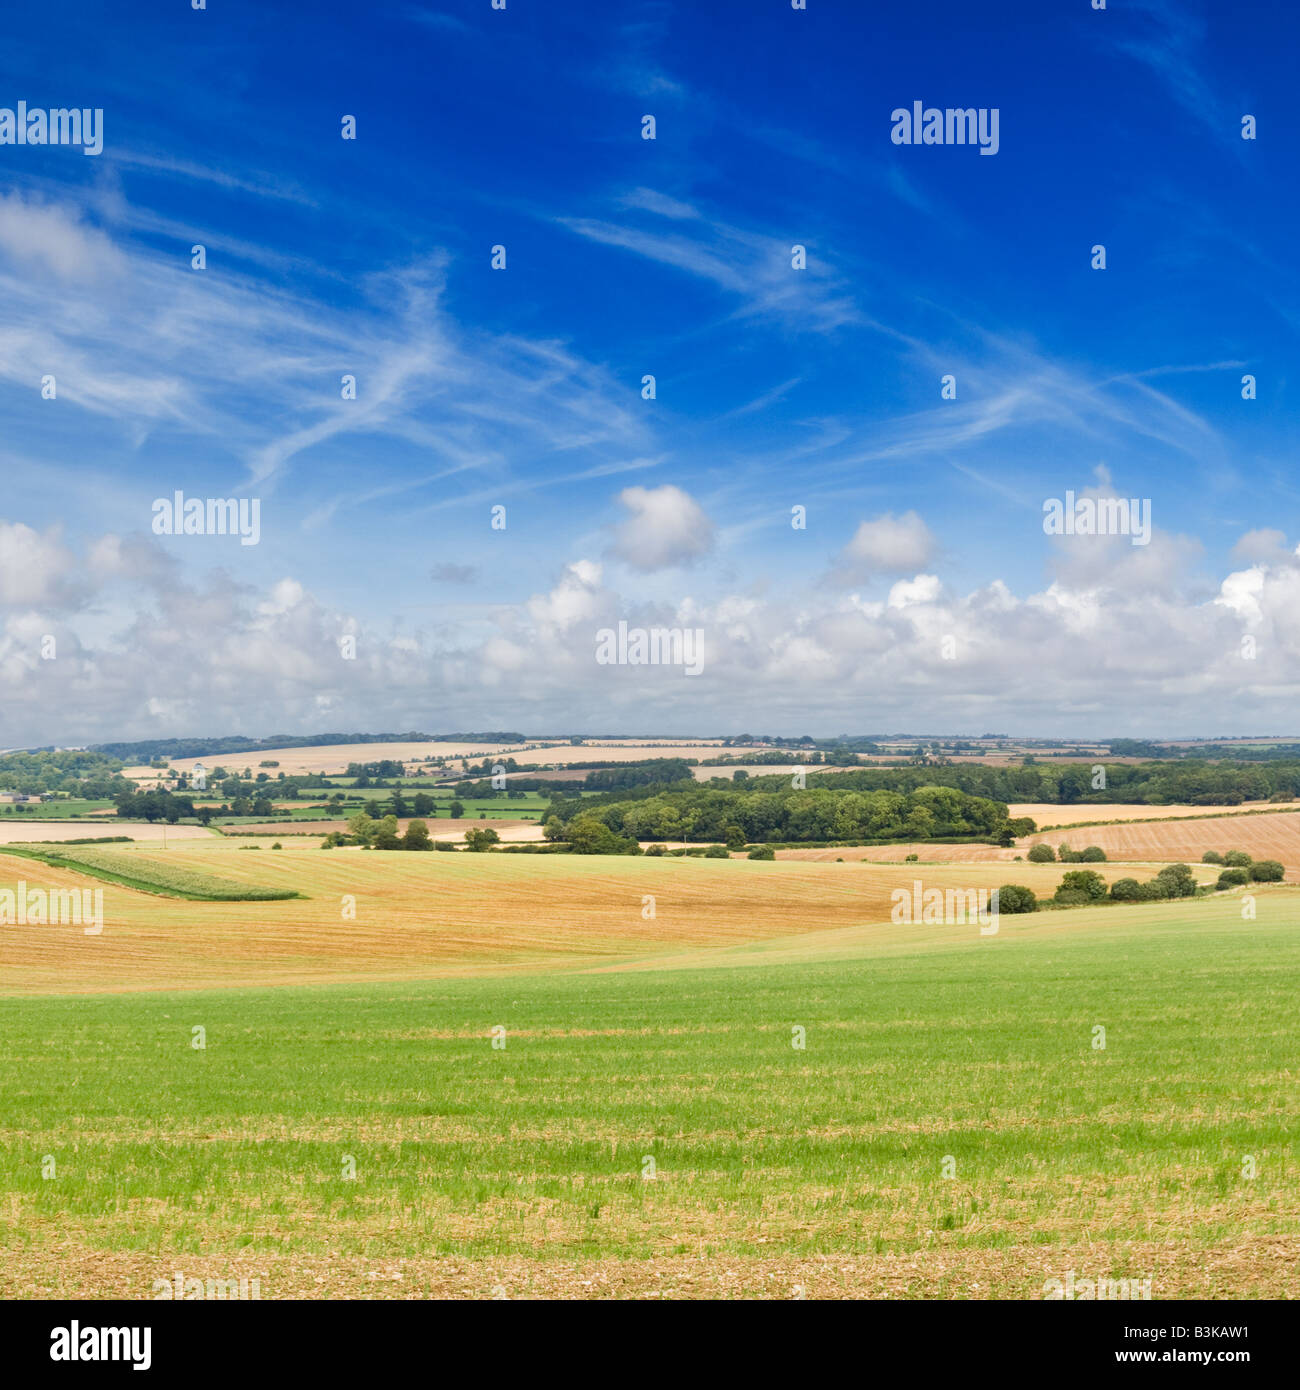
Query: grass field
[776, 1171]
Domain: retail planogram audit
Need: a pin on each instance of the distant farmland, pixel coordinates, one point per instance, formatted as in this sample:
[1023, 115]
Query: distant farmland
[1267, 836]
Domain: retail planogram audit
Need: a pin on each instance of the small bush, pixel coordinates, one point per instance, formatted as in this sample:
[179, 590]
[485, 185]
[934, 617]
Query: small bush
[1177, 881]
[1071, 897]
[761, 852]
[1211, 856]
[1232, 878]
[717, 852]
[1237, 859]
[1266, 871]
[1084, 881]
[1094, 854]
[1126, 890]
[1015, 897]
[1042, 854]
[654, 851]
[911, 858]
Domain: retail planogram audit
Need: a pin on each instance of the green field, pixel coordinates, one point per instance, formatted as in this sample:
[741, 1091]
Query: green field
[777, 1170]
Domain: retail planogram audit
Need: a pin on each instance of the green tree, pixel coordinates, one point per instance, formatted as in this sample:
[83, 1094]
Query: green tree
[417, 836]
[1015, 898]
[1041, 854]
[1085, 881]
[457, 810]
[1267, 871]
[480, 840]
[1177, 881]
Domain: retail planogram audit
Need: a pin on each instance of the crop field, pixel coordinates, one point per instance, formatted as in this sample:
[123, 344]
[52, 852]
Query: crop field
[170, 877]
[335, 757]
[655, 1131]
[419, 915]
[1044, 813]
[1267, 836]
[510, 827]
[17, 832]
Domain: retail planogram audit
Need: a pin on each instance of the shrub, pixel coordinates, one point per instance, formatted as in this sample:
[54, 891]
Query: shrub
[735, 837]
[1177, 880]
[1094, 854]
[1015, 897]
[1126, 890]
[762, 852]
[717, 852]
[911, 858]
[1237, 859]
[654, 851]
[1266, 871]
[480, 841]
[1211, 856]
[1041, 854]
[1085, 881]
[277, 845]
[1232, 878]
[1071, 897]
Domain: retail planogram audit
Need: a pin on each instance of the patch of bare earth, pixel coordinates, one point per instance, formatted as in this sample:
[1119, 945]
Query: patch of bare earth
[1262, 1267]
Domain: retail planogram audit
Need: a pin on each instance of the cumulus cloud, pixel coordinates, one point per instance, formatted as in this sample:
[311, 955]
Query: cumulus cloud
[220, 654]
[35, 567]
[885, 545]
[667, 527]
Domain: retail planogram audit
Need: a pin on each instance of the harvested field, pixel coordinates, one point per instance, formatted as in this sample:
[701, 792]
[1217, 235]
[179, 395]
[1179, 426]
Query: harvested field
[334, 758]
[1269, 836]
[423, 915]
[1044, 813]
[440, 828]
[18, 832]
[926, 852]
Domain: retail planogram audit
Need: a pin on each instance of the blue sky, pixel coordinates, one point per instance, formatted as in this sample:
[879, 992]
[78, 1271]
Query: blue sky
[775, 387]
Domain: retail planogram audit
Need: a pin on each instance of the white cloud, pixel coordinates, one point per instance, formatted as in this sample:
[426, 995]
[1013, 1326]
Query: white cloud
[667, 528]
[885, 545]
